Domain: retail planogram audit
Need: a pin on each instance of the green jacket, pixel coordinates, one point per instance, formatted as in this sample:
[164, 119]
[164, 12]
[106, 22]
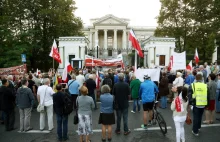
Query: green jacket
[135, 86]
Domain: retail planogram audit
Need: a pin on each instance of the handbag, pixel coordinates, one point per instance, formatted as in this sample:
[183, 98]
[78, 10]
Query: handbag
[76, 118]
[40, 107]
[188, 120]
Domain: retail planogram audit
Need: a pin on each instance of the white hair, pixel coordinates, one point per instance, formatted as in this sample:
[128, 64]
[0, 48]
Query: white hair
[91, 76]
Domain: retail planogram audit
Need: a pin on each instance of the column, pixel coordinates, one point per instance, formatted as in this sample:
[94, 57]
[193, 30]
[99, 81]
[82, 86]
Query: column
[115, 43]
[105, 43]
[151, 57]
[145, 57]
[124, 45]
[61, 57]
[96, 43]
[90, 40]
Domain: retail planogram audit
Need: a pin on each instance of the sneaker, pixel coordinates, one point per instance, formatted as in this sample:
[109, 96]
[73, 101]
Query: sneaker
[133, 111]
[128, 132]
[195, 134]
[117, 132]
[143, 126]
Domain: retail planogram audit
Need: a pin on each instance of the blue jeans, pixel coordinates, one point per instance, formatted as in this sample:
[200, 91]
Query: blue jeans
[163, 102]
[197, 119]
[93, 97]
[123, 112]
[62, 128]
[217, 103]
[136, 102]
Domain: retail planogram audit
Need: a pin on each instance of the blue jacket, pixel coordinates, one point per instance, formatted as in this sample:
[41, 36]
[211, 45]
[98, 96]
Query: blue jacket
[189, 79]
[147, 91]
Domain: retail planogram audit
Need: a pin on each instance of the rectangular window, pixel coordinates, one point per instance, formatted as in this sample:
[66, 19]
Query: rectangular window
[110, 42]
[162, 60]
[71, 57]
[109, 52]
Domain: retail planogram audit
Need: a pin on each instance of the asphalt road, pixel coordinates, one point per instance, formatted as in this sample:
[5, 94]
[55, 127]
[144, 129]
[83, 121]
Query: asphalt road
[209, 133]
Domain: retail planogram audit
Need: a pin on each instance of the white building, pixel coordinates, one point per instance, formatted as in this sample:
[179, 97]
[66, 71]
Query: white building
[107, 37]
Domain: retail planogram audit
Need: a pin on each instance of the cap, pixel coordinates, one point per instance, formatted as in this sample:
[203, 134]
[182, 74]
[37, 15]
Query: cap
[146, 77]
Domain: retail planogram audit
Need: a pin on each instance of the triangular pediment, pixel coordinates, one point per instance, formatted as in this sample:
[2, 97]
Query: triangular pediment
[110, 19]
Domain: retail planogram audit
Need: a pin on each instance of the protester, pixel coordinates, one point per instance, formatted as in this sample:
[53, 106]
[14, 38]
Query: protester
[85, 106]
[179, 80]
[210, 110]
[189, 79]
[80, 78]
[107, 81]
[163, 90]
[147, 93]
[180, 117]
[62, 119]
[135, 86]
[107, 117]
[73, 87]
[91, 85]
[7, 105]
[45, 98]
[25, 102]
[121, 91]
[204, 73]
[217, 106]
[198, 95]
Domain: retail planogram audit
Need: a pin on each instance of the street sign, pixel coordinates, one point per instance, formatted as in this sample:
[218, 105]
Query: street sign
[23, 58]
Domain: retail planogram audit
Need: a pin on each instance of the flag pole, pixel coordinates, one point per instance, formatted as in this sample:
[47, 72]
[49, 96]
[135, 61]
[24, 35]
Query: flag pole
[53, 63]
[135, 60]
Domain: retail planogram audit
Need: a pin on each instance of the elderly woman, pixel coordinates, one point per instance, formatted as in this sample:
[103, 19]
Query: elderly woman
[107, 117]
[179, 80]
[85, 105]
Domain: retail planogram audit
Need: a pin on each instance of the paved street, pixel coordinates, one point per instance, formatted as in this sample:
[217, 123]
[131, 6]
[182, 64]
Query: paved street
[208, 132]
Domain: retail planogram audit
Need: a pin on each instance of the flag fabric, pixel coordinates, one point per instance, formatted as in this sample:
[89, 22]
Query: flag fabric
[37, 73]
[179, 103]
[66, 70]
[189, 66]
[55, 83]
[54, 53]
[170, 66]
[196, 57]
[97, 79]
[135, 43]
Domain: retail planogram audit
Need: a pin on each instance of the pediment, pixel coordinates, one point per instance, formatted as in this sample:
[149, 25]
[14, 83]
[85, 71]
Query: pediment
[110, 19]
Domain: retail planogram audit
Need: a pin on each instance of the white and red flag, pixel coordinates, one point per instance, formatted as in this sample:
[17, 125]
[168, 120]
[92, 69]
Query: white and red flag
[170, 66]
[97, 81]
[68, 68]
[135, 43]
[179, 103]
[54, 53]
[196, 57]
[189, 66]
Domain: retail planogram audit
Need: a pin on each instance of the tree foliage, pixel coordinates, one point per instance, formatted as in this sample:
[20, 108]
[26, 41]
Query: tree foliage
[194, 24]
[29, 27]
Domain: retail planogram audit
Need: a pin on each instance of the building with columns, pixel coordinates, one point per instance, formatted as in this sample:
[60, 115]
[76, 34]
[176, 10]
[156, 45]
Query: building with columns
[106, 37]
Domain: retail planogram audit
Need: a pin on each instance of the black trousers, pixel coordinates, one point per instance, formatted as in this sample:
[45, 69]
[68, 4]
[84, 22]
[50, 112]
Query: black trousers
[74, 100]
[9, 119]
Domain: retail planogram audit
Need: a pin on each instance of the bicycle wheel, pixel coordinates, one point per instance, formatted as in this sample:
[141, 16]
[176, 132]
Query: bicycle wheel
[162, 124]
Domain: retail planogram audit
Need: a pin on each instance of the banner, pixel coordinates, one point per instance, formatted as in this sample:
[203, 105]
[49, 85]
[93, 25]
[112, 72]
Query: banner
[153, 73]
[16, 70]
[179, 61]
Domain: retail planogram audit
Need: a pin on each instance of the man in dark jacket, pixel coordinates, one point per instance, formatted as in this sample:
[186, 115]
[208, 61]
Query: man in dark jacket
[107, 81]
[121, 91]
[91, 85]
[7, 105]
[62, 119]
[25, 101]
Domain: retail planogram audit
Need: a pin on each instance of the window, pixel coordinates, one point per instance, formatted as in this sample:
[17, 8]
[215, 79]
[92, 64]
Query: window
[71, 57]
[162, 60]
[110, 42]
[109, 52]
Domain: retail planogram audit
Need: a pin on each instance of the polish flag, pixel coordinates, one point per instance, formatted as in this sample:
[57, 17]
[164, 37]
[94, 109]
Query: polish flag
[54, 53]
[97, 79]
[66, 70]
[170, 66]
[196, 57]
[189, 66]
[135, 43]
[179, 103]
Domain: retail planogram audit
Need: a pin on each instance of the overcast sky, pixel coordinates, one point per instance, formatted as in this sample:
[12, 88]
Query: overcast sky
[140, 12]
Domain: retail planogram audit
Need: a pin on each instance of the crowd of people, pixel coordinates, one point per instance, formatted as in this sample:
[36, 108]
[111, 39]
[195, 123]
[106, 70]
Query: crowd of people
[199, 90]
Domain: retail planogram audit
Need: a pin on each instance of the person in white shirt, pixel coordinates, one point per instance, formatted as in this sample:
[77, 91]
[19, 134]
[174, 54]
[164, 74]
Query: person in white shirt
[45, 97]
[207, 68]
[80, 78]
[179, 80]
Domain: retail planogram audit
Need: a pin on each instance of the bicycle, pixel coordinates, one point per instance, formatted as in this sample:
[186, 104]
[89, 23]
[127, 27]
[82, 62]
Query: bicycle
[159, 118]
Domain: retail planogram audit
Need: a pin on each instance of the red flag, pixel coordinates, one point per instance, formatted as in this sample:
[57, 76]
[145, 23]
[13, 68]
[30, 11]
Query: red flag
[66, 70]
[54, 53]
[135, 43]
[179, 103]
[189, 66]
[196, 57]
[170, 66]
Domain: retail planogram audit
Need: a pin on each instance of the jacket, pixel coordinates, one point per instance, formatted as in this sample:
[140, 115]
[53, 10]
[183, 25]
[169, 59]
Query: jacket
[163, 87]
[91, 85]
[7, 99]
[58, 103]
[135, 86]
[24, 98]
[147, 91]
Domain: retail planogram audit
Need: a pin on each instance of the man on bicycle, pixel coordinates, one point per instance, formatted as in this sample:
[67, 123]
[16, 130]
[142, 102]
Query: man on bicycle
[147, 93]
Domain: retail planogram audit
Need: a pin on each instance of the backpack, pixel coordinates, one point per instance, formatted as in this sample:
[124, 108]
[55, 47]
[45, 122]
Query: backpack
[107, 81]
[68, 105]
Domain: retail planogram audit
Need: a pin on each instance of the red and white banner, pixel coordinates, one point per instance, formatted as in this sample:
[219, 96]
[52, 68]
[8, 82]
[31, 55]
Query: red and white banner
[91, 61]
[16, 70]
[54, 53]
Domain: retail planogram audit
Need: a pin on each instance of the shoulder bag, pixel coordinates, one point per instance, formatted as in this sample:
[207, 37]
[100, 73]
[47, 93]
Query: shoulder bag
[69, 87]
[76, 118]
[40, 107]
